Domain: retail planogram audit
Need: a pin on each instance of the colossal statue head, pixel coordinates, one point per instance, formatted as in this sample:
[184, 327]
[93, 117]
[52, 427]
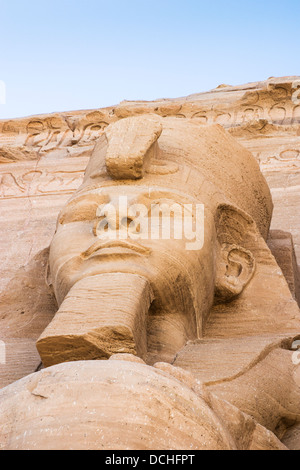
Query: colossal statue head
[160, 230]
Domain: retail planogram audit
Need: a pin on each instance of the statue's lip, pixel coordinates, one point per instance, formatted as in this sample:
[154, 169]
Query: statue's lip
[98, 246]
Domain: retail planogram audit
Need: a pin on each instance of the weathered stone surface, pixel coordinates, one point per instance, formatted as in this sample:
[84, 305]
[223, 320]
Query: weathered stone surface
[269, 392]
[225, 316]
[220, 360]
[78, 406]
[292, 438]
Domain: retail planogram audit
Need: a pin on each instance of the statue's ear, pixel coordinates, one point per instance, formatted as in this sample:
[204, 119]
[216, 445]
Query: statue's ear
[235, 264]
[235, 268]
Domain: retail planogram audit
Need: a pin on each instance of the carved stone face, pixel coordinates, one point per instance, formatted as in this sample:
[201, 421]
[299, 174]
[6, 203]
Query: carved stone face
[82, 247]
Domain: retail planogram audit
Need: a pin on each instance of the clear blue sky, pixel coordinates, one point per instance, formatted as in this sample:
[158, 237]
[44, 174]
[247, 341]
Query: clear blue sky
[61, 55]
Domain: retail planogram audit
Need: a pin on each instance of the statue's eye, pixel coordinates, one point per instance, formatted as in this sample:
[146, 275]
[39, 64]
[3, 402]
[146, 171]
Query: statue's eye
[78, 213]
[82, 209]
[167, 207]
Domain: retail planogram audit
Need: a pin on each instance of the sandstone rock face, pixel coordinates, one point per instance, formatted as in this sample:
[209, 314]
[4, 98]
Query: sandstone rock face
[225, 313]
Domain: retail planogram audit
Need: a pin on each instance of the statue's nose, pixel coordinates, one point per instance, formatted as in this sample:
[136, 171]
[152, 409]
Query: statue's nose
[114, 216]
[119, 220]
